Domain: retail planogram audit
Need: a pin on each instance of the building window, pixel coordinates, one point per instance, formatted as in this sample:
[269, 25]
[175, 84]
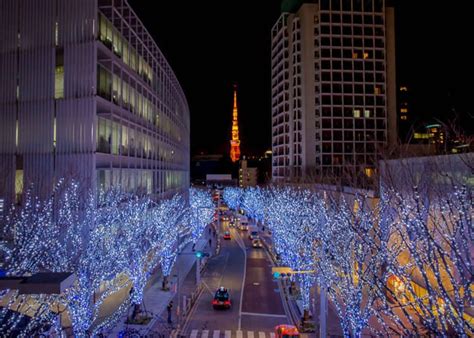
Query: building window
[403, 117]
[56, 33]
[18, 185]
[367, 113]
[59, 75]
[356, 113]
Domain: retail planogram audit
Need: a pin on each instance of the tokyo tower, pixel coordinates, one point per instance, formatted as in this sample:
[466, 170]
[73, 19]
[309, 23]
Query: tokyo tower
[235, 142]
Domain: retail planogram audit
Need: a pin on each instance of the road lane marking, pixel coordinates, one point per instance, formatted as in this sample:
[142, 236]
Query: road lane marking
[239, 334]
[249, 334]
[242, 246]
[261, 334]
[194, 334]
[207, 287]
[205, 334]
[216, 334]
[263, 314]
[227, 334]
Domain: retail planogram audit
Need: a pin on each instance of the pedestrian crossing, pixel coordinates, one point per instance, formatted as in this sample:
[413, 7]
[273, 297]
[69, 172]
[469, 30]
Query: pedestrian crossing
[234, 334]
[230, 334]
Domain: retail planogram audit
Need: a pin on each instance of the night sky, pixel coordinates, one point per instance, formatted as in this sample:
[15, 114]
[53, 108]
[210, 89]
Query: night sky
[210, 45]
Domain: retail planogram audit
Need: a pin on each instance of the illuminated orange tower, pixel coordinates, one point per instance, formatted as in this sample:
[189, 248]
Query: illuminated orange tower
[235, 142]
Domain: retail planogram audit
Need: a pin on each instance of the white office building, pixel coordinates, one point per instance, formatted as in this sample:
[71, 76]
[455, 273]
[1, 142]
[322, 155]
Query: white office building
[333, 88]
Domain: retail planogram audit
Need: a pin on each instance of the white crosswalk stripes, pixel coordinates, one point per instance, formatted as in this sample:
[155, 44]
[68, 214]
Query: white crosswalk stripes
[232, 334]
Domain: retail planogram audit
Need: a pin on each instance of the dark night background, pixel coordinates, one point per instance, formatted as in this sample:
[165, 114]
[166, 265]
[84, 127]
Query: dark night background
[210, 45]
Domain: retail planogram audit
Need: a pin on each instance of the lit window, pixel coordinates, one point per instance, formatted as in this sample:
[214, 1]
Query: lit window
[59, 82]
[403, 110]
[369, 172]
[421, 136]
[56, 33]
[377, 90]
[366, 55]
[16, 134]
[59, 75]
[356, 113]
[355, 55]
[18, 185]
[366, 113]
[403, 89]
[403, 117]
[54, 132]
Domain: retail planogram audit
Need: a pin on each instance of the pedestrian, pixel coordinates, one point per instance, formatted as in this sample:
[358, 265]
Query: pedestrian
[210, 242]
[209, 231]
[169, 308]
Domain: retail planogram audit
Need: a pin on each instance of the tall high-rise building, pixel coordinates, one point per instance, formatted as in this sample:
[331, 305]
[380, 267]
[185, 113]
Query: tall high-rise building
[86, 94]
[235, 141]
[333, 87]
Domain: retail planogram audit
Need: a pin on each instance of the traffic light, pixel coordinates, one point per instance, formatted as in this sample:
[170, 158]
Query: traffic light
[281, 272]
[200, 254]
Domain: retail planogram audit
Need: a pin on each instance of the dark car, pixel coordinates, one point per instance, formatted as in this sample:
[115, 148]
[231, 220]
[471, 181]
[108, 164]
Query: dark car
[256, 243]
[221, 299]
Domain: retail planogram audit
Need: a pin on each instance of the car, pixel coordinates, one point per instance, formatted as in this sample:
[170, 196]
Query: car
[221, 299]
[284, 331]
[256, 243]
[227, 235]
[253, 235]
[225, 218]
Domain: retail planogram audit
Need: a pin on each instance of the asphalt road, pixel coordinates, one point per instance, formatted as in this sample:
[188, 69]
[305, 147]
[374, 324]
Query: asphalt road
[258, 308]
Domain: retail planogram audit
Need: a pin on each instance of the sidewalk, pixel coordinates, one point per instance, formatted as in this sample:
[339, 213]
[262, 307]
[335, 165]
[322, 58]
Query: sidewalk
[156, 300]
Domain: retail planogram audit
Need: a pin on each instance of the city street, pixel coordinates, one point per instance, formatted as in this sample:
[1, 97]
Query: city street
[256, 309]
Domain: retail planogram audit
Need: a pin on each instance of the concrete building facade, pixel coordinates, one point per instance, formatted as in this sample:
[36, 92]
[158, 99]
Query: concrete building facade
[248, 175]
[333, 88]
[87, 94]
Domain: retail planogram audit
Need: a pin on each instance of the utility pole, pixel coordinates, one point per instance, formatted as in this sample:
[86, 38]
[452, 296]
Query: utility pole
[323, 309]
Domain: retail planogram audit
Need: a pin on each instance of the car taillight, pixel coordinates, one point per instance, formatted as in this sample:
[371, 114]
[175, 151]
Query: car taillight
[227, 302]
[214, 302]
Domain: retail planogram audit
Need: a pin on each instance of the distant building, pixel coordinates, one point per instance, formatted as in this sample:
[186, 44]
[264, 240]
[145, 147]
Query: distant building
[247, 175]
[333, 87]
[440, 138]
[405, 120]
[220, 180]
[86, 94]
